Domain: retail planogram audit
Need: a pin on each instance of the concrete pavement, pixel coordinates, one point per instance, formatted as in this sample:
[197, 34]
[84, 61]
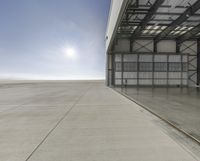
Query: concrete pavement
[79, 121]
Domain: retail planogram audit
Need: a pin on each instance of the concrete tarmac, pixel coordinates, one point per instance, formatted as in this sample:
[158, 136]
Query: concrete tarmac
[79, 121]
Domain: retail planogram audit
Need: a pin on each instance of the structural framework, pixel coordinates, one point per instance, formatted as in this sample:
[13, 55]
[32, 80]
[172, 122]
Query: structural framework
[153, 43]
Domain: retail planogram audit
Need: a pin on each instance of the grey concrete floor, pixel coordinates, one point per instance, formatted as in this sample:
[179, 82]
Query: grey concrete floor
[79, 121]
[179, 106]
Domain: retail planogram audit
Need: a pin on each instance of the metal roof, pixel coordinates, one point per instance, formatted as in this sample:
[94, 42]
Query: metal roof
[161, 19]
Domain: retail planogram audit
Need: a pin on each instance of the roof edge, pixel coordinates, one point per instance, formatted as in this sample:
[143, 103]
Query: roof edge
[117, 9]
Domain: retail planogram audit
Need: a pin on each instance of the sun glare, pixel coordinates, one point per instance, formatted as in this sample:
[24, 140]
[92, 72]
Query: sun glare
[70, 53]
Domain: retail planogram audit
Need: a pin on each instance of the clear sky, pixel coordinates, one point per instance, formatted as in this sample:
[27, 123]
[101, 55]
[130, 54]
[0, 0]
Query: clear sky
[53, 39]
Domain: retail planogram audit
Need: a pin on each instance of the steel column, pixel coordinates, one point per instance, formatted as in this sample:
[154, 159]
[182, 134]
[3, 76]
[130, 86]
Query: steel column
[198, 62]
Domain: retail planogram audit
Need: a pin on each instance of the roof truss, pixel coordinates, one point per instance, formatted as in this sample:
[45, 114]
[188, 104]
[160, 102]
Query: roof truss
[154, 21]
[183, 17]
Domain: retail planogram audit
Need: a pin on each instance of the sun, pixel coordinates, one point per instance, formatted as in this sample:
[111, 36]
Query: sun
[70, 53]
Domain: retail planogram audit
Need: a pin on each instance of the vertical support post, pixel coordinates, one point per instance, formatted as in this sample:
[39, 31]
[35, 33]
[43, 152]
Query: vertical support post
[113, 69]
[181, 70]
[131, 46]
[122, 71]
[112, 65]
[137, 3]
[138, 69]
[155, 49]
[167, 70]
[198, 61]
[177, 47]
[107, 70]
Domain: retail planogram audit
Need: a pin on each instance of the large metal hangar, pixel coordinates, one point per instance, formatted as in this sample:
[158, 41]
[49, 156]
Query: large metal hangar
[153, 43]
[153, 58]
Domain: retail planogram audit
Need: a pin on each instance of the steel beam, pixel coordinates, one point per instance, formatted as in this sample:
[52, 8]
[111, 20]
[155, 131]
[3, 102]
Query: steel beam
[159, 13]
[129, 23]
[189, 34]
[162, 6]
[147, 18]
[188, 13]
[143, 37]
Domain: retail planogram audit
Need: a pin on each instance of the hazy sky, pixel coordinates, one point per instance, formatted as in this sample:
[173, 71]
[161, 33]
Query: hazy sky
[53, 39]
